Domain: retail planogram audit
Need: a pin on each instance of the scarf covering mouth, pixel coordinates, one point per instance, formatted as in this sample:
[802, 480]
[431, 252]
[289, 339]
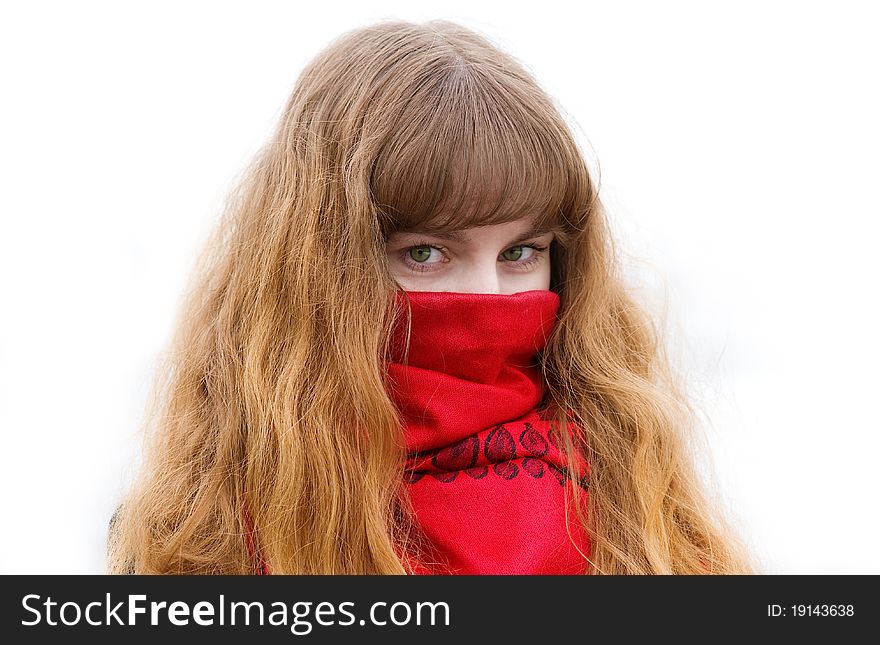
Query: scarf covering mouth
[484, 471]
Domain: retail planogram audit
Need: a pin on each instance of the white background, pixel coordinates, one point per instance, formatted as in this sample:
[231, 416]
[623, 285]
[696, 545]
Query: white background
[738, 150]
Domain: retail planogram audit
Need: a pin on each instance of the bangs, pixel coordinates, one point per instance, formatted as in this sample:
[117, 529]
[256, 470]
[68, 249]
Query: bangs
[473, 149]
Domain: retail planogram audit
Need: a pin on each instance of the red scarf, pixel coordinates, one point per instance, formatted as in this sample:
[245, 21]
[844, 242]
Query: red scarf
[484, 471]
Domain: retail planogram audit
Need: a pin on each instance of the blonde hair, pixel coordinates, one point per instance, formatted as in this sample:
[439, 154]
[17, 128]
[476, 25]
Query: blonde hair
[271, 402]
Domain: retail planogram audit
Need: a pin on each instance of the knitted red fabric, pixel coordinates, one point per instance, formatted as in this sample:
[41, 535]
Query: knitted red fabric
[484, 471]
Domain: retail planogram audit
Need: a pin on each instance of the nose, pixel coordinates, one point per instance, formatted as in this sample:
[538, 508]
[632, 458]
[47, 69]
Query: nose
[482, 278]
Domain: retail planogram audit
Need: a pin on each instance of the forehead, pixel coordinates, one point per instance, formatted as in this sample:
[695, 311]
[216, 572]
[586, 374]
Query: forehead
[525, 227]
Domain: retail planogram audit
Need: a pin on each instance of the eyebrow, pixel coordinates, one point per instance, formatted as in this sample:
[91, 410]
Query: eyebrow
[461, 237]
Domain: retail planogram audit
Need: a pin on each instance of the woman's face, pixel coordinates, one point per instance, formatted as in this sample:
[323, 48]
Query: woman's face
[499, 258]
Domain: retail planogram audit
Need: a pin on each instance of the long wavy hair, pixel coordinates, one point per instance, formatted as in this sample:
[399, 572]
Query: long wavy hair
[269, 428]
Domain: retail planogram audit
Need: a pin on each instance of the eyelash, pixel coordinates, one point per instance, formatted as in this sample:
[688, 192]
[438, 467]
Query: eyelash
[420, 267]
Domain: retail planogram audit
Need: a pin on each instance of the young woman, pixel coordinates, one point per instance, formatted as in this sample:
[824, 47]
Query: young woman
[408, 348]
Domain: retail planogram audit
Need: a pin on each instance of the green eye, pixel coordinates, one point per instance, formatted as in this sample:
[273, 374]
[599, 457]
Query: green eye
[423, 251]
[516, 251]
